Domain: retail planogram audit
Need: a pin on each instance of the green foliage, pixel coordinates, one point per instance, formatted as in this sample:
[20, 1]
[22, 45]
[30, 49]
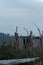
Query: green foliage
[7, 52]
[30, 63]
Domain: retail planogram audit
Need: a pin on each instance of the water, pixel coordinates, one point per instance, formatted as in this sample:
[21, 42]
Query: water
[17, 61]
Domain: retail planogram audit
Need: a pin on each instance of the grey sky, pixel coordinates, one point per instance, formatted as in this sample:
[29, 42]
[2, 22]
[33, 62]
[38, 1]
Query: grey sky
[21, 13]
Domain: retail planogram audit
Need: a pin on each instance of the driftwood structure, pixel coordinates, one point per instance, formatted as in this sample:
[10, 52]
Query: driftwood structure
[30, 41]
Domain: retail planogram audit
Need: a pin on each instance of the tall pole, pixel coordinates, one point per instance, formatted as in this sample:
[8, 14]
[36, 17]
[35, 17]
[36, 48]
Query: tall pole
[26, 31]
[40, 38]
[16, 29]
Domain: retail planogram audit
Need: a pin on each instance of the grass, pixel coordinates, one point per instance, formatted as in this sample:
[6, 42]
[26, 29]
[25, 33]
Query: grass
[12, 53]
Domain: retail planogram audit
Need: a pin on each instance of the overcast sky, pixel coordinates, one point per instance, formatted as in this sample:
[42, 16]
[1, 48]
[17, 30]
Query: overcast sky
[21, 13]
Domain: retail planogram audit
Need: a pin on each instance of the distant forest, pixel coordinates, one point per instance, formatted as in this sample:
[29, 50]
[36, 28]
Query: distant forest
[6, 39]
